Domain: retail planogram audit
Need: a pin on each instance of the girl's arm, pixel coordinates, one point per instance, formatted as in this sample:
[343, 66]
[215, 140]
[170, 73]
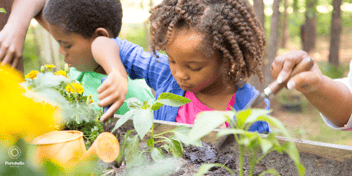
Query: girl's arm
[14, 32]
[114, 89]
[332, 98]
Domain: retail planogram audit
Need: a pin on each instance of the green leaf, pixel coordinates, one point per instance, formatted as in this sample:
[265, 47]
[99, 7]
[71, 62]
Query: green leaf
[270, 171]
[166, 166]
[166, 147]
[241, 117]
[265, 144]
[123, 145]
[181, 134]
[175, 147]
[204, 168]
[143, 121]
[157, 154]
[133, 152]
[255, 113]
[123, 120]
[2, 10]
[207, 122]
[150, 142]
[156, 106]
[291, 150]
[172, 99]
[49, 80]
[230, 131]
[134, 103]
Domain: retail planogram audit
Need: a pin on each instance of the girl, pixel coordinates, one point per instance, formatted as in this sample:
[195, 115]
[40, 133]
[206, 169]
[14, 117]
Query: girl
[212, 46]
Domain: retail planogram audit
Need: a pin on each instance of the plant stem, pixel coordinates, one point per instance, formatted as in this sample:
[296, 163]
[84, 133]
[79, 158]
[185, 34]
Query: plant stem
[253, 160]
[151, 135]
[240, 172]
[163, 133]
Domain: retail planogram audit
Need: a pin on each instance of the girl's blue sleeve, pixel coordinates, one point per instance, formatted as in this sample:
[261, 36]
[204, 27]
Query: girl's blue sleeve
[142, 64]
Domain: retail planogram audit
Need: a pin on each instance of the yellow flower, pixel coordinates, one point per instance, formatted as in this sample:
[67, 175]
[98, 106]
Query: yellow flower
[32, 75]
[75, 87]
[22, 115]
[90, 97]
[60, 72]
[49, 66]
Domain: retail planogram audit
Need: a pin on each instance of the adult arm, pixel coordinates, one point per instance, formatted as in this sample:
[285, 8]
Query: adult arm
[13, 35]
[332, 98]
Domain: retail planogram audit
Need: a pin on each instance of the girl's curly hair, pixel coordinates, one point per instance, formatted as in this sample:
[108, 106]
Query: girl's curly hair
[230, 28]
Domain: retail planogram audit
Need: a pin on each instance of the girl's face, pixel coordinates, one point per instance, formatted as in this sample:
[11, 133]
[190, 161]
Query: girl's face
[75, 48]
[192, 70]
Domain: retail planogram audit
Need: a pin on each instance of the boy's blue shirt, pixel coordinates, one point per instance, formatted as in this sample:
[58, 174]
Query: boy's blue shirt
[157, 74]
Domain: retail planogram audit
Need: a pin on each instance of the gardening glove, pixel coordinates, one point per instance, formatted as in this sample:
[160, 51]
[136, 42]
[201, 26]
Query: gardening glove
[112, 92]
[305, 82]
[12, 40]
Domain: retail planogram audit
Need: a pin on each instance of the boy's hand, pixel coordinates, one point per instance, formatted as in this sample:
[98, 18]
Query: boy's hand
[112, 92]
[11, 45]
[305, 82]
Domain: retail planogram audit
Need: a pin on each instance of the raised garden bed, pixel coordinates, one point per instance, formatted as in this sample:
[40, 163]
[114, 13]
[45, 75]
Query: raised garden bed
[318, 158]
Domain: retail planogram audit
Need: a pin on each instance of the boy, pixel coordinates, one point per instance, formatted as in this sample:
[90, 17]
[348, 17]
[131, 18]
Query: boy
[75, 25]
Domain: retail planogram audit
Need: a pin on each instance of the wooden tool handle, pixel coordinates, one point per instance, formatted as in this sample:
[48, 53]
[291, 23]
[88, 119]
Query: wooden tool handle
[304, 65]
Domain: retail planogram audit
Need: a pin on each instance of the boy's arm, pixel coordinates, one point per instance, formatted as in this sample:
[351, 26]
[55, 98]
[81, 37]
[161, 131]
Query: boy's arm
[114, 89]
[14, 32]
[332, 98]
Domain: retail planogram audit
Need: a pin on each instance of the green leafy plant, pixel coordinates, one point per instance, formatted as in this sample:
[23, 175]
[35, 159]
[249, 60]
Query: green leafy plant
[143, 118]
[2, 10]
[247, 141]
[66, 93]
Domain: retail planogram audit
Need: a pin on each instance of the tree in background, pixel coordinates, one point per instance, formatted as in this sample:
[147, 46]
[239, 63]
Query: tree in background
[272, 50]
[335, 33]
[308, 29]
[7, 4]
[285, 32]
[258, 6]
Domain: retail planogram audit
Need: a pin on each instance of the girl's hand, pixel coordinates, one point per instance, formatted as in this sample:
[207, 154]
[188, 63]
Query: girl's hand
[305, 82]
[11, 45]
[112, 92]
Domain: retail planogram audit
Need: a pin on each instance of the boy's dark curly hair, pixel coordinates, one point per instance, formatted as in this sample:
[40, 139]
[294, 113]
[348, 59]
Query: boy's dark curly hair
[230, 28]
[84, 16]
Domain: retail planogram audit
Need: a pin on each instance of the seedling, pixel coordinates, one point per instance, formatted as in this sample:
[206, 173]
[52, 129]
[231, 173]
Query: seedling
[246, 140]
[143, 117]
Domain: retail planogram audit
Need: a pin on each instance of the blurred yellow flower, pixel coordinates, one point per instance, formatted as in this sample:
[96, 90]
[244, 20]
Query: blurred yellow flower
[49, 66]
[60, 72]
[22, 115]
[32, 75]
[90, 97]
[75, 87]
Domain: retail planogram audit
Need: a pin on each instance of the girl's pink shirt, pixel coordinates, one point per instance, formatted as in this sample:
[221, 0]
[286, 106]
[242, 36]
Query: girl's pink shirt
[188, 112]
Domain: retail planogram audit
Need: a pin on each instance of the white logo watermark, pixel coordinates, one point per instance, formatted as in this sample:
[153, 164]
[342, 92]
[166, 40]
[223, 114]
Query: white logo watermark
[14, 153]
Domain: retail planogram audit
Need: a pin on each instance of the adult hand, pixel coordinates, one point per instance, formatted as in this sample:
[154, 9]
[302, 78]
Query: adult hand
[112, 92]
[11, 45]
[305, 82]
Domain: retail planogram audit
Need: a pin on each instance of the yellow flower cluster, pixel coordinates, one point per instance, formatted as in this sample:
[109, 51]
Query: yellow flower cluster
[60, 72]
[75, 87]
[49, 66]
[22, 115]
[32, 75]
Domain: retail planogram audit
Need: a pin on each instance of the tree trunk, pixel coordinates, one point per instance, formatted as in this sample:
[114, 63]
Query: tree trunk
[295, 6]
[49, 48]
[275, 20]
[308, 29]
[285, 31]
[335, 33]
[7, 4]
[258, 7]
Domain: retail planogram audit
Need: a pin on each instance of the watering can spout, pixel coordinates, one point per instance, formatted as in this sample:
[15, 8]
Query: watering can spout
[106, 147]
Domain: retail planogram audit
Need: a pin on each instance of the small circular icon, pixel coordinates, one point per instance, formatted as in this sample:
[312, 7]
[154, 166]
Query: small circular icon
[14, 152]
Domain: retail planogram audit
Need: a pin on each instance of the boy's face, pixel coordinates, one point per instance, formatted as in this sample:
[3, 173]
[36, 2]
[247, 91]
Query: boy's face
[75, 48]
[192, 70]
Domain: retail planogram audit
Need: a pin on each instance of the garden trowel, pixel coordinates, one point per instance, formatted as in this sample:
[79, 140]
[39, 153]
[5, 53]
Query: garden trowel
[258, 100]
